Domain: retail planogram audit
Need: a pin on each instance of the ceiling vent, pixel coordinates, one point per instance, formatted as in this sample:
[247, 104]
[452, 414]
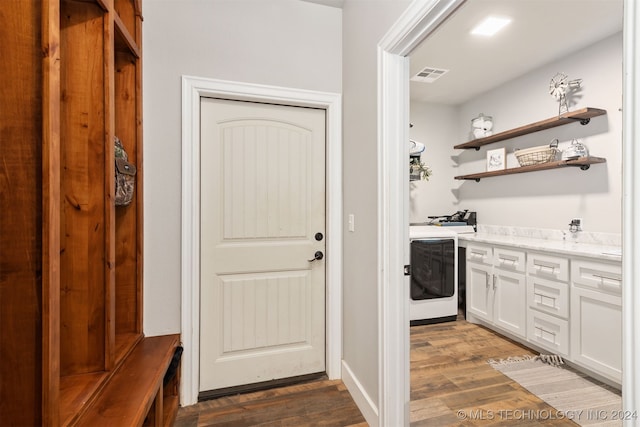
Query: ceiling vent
[429, 75]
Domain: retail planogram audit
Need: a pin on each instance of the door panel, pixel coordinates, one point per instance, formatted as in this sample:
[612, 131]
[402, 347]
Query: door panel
[510, 301]
[262, 202]
[480, 298]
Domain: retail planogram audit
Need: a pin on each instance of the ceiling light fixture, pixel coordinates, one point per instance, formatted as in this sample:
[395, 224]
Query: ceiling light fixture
[490, 26]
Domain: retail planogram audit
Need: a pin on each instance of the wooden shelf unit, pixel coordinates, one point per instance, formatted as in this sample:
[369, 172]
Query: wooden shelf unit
[582, 162]
[71, 277]
[583, 116]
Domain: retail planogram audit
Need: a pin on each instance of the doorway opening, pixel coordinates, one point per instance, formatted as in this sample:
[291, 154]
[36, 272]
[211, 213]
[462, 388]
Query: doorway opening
[420, 19]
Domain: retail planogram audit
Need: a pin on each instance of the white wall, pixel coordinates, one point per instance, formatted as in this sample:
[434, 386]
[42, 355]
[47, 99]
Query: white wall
[286, 43]
[545, 199]
[436, 126]
[364, 25]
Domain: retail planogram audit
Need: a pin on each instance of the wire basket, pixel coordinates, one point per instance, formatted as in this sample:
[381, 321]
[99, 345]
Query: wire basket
[536, 155]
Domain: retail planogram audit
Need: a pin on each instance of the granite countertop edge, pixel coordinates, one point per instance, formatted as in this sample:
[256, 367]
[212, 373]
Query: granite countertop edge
[567, 247]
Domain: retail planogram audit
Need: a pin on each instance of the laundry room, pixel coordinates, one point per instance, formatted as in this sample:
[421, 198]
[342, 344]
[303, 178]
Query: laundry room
[516, 164]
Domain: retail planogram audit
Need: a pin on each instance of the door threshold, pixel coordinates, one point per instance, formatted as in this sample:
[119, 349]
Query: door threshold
[265, 385]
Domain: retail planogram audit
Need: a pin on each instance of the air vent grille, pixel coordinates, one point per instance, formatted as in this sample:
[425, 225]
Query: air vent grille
[429, 75]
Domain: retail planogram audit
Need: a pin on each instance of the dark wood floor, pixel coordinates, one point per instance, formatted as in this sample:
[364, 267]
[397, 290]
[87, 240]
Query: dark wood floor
[451, 385]
[319, 402]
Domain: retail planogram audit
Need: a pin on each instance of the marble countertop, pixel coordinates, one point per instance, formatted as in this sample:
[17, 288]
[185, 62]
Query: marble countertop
[603, 246]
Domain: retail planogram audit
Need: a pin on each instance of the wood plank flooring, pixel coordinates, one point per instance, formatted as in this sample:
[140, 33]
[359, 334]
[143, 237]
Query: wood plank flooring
[318, 403]
[451, 385]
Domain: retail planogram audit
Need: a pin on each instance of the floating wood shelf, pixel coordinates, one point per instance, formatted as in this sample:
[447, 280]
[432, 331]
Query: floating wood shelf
[583, 163]
[583, 115]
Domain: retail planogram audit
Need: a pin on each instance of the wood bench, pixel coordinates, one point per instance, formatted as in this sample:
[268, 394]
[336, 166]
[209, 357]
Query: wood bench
[135, 395]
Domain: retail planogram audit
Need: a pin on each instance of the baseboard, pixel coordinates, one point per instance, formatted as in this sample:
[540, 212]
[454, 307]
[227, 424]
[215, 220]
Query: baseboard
[367, 406]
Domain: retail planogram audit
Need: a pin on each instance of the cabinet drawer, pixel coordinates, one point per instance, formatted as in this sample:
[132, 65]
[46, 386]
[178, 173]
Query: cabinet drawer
[507, 259]
[548, 332]
[480, 254]
[548, 296]
[597, 275]
[548, 266]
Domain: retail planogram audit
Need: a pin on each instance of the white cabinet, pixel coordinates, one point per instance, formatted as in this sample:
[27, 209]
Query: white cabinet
[479, 286]
[596, 316]
[564, 304]
[509, 310]
[548, 302]
[479, 291]
[496, 291]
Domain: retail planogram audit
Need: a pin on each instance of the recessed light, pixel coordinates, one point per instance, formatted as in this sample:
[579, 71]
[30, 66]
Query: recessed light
[490, 26]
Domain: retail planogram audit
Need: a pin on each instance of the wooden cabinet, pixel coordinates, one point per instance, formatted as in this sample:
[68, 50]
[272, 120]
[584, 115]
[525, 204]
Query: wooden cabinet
[596, 317]
[583, 115]
[496, 287]
[71, 261]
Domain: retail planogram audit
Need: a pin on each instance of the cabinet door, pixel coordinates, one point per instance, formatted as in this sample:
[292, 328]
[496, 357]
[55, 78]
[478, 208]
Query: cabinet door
[509, 310]
[479, 291]
[596, 331]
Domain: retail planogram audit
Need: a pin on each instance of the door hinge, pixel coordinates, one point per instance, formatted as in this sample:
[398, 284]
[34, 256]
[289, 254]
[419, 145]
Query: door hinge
[407, 270]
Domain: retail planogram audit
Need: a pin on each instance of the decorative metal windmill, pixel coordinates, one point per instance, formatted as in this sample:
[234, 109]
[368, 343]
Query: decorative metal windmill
[559, 87]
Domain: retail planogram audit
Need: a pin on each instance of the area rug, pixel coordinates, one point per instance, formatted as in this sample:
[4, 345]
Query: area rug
[575, 395]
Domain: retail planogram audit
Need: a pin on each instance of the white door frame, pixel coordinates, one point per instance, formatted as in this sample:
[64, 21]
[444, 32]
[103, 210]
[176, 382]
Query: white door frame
[631, 211]
[193, 88]
[416, 23]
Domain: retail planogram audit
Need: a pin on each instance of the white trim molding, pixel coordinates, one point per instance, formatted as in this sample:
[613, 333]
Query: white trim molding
[360, 396]
[631, 213]
[194, 88]
[420, 19]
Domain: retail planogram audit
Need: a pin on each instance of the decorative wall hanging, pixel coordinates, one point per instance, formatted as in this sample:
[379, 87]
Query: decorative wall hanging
[559, 87]
[125, 175]
[496, 159]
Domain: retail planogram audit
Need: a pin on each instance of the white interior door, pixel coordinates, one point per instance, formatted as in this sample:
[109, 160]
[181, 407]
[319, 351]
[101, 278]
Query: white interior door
[262, 197]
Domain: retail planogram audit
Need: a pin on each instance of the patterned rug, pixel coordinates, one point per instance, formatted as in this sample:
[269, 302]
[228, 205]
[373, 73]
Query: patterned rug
[578, 397]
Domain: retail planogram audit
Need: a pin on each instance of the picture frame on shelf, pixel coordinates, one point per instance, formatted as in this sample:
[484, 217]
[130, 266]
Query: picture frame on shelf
[496, 159]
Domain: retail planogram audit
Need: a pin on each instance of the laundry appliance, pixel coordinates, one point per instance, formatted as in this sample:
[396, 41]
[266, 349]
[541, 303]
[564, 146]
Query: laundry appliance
[434, 272]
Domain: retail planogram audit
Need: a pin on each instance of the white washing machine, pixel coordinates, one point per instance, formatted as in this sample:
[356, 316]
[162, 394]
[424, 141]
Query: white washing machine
[434, 273]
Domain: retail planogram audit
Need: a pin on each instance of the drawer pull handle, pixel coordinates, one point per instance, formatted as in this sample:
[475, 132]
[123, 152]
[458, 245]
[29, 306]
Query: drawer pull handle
[544, 335]
[545, 268]
[614, 279]
[545, 300]
[544, 331]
